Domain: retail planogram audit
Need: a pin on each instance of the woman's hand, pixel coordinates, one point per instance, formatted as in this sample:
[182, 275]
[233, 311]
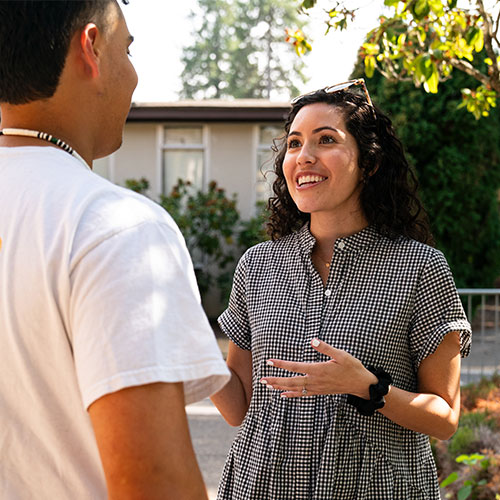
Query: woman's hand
[342, 374]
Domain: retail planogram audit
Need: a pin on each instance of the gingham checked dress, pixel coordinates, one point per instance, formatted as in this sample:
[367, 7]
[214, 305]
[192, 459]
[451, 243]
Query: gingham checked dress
[387, 302]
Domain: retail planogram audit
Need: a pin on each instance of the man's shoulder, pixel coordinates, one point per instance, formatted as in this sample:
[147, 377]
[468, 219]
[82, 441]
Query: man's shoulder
[107, 210]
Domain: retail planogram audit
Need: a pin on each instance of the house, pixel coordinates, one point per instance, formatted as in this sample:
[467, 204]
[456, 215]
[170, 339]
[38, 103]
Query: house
[200, 141]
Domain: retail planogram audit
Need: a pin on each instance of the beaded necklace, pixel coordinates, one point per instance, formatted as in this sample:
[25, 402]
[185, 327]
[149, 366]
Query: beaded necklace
[45, 137]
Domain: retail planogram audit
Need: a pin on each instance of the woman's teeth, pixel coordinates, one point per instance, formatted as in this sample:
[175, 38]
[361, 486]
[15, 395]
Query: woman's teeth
[307, 179]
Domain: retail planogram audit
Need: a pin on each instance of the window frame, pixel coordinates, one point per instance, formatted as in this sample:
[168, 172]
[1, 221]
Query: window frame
[164, 146]
[260, 148]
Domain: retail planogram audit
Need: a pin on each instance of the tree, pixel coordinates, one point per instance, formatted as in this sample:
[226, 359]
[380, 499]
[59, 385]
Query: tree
[239, 50]
[457, 162]
[426, 40]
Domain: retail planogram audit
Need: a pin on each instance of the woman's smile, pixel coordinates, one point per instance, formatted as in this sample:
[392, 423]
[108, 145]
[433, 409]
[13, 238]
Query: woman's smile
[309, 180]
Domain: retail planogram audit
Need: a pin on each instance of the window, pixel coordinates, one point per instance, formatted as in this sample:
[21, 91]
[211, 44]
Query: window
[183, 153]
[265, 156]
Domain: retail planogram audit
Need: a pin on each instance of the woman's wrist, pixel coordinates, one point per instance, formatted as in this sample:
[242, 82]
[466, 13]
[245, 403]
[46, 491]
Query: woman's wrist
[367, 379]
[376, 393]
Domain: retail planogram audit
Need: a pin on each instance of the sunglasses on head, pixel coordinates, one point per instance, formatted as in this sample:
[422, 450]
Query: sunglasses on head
[340, 86]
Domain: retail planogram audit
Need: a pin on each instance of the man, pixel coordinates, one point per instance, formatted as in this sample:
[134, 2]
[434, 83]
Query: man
[102, 336]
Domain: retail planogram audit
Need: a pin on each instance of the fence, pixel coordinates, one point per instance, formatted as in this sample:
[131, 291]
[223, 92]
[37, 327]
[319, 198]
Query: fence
[483, 311]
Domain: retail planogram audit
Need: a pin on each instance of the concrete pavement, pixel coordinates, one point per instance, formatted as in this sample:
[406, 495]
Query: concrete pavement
[211, 438]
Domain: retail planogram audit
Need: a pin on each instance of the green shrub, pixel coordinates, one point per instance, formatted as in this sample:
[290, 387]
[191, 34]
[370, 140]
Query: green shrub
[138, 185]
[479, 390]
[469, 475]
[471, 478]
[468, 436]
[463, 441]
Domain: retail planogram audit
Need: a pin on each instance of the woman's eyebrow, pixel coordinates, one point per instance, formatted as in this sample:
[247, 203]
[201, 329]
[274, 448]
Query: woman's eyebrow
[315, 131]
[326, 127]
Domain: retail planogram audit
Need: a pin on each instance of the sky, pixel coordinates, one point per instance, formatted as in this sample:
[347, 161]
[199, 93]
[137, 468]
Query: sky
[161, 28]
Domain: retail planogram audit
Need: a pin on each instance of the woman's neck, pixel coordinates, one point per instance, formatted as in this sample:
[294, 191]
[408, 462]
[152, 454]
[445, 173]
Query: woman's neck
[327, 228]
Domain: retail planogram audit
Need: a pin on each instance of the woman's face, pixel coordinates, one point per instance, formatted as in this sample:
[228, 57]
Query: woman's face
[321, 163]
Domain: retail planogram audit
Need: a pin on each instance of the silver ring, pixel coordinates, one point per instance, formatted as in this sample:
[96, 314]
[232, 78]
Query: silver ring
[304, 391]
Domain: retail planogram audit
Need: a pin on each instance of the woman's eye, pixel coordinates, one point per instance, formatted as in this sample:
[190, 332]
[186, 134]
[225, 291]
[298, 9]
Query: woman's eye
[326, 139]
[293, 143]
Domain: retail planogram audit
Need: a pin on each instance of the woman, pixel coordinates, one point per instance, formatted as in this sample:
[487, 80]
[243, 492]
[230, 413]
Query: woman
[346, 329]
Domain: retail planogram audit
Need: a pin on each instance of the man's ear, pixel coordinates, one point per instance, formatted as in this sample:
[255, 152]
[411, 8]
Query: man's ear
[89, 50]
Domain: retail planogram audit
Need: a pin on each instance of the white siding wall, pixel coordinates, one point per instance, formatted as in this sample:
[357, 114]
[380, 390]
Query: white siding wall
[231, 162]
[138, 156]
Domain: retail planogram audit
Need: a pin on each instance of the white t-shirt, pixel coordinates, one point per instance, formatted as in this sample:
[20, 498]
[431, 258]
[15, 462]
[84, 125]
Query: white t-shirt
[97, 293]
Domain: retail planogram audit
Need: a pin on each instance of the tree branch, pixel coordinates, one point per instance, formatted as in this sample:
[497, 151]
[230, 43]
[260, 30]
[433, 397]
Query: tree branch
[497, 23]
[466, 67]
[395, 77]
[494, 80]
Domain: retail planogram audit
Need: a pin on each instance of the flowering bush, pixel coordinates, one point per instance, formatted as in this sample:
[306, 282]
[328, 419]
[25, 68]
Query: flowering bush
[466, 474]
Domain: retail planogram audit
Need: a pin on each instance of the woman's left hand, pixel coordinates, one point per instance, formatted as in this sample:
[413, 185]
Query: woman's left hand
[342, 374]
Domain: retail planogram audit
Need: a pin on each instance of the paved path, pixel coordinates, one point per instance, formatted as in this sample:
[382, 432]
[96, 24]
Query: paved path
[212, 438]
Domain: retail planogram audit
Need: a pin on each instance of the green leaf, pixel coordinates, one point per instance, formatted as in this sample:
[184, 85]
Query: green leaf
[425, 66]
[307, 4]
[475, 457]
[474, 37]
[371, 49]
[464, 492]
[438, 54]
[369, 66]
[342, 24]
[431, 84]
[422, 33]
[391, 3]
[479, 43]
[450, 479]
[452, 4]
[420, 9]
[436, 7]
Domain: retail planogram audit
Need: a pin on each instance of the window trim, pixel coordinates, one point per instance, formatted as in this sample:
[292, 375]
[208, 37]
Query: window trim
[260, 148]
[199, 147]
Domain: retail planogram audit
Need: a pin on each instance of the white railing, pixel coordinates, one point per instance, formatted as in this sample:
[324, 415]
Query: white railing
[482, 306]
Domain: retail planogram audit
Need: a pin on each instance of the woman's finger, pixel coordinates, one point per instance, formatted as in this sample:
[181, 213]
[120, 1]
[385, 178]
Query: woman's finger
[285, 383]
[326, 349]
[291, 366]
[292, 387]
[291, 394]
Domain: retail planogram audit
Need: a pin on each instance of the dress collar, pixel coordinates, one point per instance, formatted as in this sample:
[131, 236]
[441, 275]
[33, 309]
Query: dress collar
[353, 243]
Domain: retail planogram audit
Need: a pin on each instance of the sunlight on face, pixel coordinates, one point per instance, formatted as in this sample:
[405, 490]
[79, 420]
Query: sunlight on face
[321, 163]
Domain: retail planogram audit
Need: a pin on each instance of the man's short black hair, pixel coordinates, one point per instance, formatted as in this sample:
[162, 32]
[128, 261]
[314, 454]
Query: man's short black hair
[34, 42]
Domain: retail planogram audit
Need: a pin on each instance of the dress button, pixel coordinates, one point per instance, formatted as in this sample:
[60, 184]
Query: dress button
[328, 293]
[341, 245]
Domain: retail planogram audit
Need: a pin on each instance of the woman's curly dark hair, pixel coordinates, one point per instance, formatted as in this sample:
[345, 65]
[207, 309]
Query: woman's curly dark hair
[389, 193]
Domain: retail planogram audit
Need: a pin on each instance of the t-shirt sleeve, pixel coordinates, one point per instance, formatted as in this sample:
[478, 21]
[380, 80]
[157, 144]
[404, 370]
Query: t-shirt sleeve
[136, 316]
[234, 320]
[437, 311]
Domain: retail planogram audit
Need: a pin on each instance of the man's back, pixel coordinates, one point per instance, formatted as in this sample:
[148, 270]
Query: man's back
[82, 314]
